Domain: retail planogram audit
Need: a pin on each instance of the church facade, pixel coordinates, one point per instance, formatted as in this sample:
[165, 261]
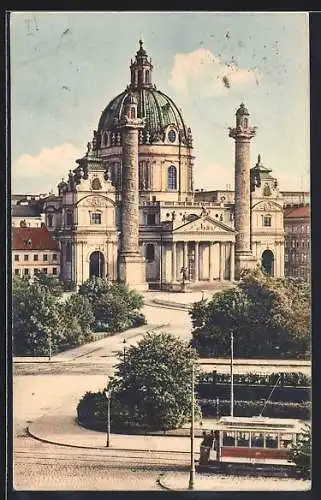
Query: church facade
[129, 210]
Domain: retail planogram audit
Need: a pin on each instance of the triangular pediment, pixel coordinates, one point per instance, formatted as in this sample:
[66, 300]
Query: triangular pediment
[205, 224]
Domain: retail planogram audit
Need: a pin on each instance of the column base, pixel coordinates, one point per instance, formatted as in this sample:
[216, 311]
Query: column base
[244, 260]
[132, 270]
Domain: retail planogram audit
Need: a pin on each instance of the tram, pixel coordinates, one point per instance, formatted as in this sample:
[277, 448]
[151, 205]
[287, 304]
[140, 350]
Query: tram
[251, 439]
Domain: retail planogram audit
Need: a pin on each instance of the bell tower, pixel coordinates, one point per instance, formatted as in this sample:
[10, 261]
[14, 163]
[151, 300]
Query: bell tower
[141, 69]
[242, 134]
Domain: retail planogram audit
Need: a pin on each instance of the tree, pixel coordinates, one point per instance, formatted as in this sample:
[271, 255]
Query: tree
[35, 317]
[114, 306]
[51, 282]
[39, 317]
[79, 307]
[151, 388]
[269, 317]
[300, 453]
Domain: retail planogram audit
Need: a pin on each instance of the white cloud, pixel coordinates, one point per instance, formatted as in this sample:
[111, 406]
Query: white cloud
[44, 171]
[207, 73]
[213, 177]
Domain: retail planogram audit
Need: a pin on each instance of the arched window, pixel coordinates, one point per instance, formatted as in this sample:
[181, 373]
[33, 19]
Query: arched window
[172, 177]
[147, 76]
[132, 113]
[50, 217]
[246, 122]
[150, 252]
[140, 76]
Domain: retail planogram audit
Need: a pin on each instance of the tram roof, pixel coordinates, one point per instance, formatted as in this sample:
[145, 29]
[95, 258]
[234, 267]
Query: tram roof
[261, 423]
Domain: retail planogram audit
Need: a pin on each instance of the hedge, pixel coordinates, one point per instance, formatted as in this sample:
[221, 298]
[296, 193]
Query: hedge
[254, 392]
[273, 409]
[292, 379]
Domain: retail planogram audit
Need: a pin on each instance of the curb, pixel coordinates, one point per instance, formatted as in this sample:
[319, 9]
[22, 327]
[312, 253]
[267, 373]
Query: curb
[44, 440]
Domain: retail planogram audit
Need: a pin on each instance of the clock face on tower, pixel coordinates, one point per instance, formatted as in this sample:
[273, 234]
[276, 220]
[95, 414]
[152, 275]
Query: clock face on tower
[172, 136]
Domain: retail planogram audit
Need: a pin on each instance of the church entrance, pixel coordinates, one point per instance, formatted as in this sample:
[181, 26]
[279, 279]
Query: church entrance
[97, 265]
[268, 262]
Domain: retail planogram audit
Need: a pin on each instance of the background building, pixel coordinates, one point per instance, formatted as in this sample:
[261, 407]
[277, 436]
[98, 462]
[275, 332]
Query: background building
[297, 242]
[34, 251]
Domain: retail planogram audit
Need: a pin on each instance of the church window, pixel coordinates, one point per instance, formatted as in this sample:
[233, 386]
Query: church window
[150, 252]
[68, 252]
[246, 122]
[69, 218]
[95, 218]
[140, 76]
[50, 217]
[172, 177]
[132, 113]
[147, 76]
[266, 190]
[151, 219]
[267, 221]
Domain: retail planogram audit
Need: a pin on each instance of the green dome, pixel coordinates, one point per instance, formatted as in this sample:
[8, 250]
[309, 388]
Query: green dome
[157, 108]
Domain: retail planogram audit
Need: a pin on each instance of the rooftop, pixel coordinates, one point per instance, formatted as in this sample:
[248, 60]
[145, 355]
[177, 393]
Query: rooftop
[298, 212]
[32, 238]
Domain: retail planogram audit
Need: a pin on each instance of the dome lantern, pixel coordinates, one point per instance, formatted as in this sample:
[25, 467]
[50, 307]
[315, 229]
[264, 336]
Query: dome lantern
[141, 69]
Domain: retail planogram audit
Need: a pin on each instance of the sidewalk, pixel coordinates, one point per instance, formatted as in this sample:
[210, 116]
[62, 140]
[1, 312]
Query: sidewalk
[60, 427]
[179, 481]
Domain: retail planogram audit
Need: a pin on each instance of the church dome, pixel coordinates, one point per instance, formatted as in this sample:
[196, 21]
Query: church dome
[158, 110]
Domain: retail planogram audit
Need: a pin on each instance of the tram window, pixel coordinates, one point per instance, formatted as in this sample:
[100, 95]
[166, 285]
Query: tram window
[257, 440]
[271, 441]
[229, 438]
[286, 440]
[243, 439]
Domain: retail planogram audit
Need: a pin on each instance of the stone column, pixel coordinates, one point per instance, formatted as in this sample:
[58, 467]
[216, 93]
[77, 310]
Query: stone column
[232, 261]
[185, 258]
[282, 259]
[132, 264]
[242, 134]
[221, 261]
[174, 276]
[210, 261]
[196, 261]
[276, 259]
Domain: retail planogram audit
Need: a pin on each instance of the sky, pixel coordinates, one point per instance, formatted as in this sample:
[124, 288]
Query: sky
[66, 67]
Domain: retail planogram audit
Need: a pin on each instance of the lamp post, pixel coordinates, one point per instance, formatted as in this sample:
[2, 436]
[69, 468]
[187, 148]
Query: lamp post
[49, 345]
[124, 342]
[192, 470]
[108, 397]
[232, 375]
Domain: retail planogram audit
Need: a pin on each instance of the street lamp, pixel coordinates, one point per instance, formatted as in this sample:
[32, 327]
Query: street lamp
[108, 397]
[49, 345]
[124, 342]
[192, 470]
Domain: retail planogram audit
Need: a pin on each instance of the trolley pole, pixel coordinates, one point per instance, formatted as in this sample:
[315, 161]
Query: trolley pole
[192, 470]
[232, 375]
